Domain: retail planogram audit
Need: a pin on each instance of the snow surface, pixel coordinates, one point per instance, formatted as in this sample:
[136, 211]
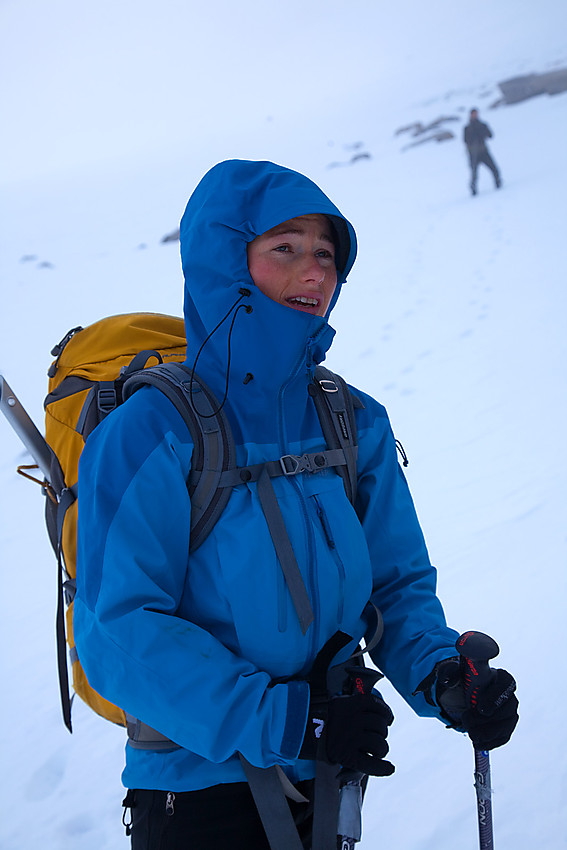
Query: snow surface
[454, 317]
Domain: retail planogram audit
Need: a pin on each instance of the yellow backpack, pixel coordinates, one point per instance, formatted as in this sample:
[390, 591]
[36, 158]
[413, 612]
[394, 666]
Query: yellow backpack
[84, 385]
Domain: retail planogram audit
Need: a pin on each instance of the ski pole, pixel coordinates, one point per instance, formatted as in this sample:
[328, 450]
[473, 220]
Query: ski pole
[25, 428]
[476, 649]
[361, 680]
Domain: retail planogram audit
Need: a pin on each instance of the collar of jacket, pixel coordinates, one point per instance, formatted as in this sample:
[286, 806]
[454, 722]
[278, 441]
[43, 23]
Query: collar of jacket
[269, 354]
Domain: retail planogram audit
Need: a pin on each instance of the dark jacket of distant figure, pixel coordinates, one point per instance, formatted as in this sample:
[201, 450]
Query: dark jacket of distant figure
[475, 135]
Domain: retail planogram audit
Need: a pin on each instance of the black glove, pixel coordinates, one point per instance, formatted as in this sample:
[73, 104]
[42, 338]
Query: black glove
[489, 715]
[350, 731]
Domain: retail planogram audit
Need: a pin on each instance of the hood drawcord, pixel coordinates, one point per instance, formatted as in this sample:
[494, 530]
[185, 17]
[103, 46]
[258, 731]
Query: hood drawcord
[244, 293]
[402, 452]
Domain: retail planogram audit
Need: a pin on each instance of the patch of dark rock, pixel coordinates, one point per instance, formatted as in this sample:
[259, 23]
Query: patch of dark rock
[517, 89]
[171, 237]
[441, 136]
[418, 129]
[357, 157]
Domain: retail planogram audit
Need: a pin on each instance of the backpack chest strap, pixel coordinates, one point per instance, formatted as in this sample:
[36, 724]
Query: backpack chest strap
[288, 465]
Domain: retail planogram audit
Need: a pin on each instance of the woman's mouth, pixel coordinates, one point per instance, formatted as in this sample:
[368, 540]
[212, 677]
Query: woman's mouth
[303, 301]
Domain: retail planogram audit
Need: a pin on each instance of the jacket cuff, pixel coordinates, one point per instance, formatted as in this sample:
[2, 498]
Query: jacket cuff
[296, 719]
[443, 690]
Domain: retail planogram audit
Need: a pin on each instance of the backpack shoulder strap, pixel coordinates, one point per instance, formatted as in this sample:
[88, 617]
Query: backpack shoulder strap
[213, 468]
[335, 405]
[214, 449]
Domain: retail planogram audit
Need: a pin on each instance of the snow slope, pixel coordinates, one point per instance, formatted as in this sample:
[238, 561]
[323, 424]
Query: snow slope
[454, 317]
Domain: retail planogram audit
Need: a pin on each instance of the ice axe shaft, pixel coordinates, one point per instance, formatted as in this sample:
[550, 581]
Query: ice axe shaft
[25, 428]
[476, 649]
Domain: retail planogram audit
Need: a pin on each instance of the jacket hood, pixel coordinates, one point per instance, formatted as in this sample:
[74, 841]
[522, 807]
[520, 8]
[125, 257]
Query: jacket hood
[235, 202]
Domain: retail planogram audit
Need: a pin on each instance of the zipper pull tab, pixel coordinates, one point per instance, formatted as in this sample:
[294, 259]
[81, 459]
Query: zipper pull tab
[169, 801]
[58, 349]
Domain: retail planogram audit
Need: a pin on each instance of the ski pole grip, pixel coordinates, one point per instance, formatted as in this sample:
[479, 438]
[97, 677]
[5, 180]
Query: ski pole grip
[476, 650]
[361, 680]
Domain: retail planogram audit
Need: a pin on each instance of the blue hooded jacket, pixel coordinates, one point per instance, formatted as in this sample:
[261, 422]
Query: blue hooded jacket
[206, 647]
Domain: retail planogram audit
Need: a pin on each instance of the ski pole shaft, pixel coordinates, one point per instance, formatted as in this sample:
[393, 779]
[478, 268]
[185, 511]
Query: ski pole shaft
[25, 428]
[361, 680]
[476, 649]
[483, 789]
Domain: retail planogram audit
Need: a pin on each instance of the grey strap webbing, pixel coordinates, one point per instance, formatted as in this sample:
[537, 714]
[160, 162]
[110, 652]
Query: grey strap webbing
[335, 407]
[66, 499]
[284, 551]
[211, 434]
[269, 796]
[143, 737]
[326, 807]
[288, 465]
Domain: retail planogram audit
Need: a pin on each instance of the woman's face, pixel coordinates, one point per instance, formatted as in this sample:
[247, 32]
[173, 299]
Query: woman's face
[294, 263]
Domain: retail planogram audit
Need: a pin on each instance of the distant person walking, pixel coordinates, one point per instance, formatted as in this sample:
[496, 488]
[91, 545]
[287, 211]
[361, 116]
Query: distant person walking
[475, 135]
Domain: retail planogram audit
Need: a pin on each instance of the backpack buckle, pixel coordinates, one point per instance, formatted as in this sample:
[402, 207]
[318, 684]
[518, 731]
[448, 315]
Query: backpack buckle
[328, 386]
[291, 464]
[294, 464]
[106, 399]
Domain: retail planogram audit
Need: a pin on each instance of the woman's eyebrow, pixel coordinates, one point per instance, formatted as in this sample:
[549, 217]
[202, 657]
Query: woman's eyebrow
[283, 230]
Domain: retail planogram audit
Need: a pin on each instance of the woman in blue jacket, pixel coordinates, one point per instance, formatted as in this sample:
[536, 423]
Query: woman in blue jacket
[208, 648]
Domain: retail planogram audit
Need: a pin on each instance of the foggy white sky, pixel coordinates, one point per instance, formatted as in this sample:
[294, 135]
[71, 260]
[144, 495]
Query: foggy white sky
[90, 82]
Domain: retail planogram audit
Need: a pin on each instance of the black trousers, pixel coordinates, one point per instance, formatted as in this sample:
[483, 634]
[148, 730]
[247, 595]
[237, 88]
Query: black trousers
[484, 158]
[223, 817]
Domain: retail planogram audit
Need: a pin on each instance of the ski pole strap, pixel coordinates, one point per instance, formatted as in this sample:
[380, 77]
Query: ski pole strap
[269, 796]
[375, 620]
[284, 551]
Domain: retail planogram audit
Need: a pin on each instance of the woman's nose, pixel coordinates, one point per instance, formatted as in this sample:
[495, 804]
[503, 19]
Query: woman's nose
[311, 269]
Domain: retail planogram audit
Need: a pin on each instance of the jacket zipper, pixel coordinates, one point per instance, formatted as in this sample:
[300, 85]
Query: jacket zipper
[282, 601]
[328, 534]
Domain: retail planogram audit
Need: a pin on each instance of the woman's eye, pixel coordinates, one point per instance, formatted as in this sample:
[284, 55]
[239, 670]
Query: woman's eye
[282, 249]
[325, 254]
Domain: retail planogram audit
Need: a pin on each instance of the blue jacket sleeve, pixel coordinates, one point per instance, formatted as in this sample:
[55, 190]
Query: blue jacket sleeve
[416, 635]
[133, 540]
